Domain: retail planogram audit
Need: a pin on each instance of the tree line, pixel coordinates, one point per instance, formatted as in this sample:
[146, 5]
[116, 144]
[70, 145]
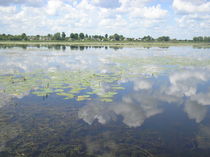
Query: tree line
[85, 37]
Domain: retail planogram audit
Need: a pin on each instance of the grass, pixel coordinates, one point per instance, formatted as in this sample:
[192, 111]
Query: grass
[108, 43]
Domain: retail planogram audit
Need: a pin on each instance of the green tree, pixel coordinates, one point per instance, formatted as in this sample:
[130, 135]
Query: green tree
[76, 36]
[163, 38]
[72, 36]
[49, 36]
[63, 36]
[198, 39]
[122, 37]
[81, 36]
[57, 36]
[147, 38]
[37, 37]
[23, 36]
[116, 37]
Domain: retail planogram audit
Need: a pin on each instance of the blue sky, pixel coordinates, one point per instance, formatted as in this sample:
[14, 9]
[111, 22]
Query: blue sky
[132, 18]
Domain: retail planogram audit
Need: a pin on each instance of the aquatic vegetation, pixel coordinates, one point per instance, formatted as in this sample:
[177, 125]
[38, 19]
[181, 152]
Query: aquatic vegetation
[64, 83]
[105, 85]
[118, 88]
[131, 101]
[106, 100]
[83, 97]
[108, 94]
[59, 90]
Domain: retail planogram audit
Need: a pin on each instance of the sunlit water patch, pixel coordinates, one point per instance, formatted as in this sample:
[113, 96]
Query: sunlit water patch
[101, 101]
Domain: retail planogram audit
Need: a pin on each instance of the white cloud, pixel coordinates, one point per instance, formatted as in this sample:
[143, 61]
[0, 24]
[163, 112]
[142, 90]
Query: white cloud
[193, 16]
[191, 6]
[98, 16]
[7, 10]
[154, 12]
[53, 6]
[105, 16]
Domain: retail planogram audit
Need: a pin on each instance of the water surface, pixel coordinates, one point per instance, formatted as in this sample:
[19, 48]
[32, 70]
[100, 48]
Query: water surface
[104, 101]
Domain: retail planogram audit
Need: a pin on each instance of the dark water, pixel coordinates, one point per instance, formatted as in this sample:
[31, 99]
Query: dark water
[60, 101]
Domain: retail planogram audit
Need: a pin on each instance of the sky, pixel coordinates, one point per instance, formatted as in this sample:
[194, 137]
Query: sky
[182, 19]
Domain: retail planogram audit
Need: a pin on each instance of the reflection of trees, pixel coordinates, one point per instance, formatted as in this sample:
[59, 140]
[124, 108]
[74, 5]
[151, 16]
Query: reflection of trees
[74, 47]
[81, 48]
[115, 47]
[63, 48]
[57, 47]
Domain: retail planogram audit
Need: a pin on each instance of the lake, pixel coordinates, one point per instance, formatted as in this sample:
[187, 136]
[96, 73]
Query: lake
[85, 101]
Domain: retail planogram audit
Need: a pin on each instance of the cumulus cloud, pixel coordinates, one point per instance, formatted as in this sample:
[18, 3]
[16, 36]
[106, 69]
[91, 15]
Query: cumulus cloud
[193, 15]
[153, 12]
[141, 16]
[191, 6]
[42, 17]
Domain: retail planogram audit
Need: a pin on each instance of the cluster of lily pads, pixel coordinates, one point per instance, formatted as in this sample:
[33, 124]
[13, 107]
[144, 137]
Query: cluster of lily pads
[69, 84]
[86, 84]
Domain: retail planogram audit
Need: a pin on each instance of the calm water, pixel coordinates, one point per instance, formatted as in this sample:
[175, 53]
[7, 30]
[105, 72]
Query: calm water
[61, 101]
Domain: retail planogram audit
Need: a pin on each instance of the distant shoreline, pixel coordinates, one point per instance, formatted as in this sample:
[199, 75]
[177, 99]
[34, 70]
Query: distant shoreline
[108, 43]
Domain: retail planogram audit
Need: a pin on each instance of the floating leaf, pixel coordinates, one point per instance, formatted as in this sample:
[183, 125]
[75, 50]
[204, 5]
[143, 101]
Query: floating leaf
[83, 97]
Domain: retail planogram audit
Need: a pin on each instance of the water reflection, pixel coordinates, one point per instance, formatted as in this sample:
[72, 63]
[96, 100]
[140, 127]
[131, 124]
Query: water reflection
[187, 85]
[58, 47]
[195, 111]
[134, 102]
[134, 109]
[147, 100]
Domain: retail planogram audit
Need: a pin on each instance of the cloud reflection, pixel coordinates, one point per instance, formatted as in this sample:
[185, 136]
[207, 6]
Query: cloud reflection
[185, 85]
[195, 111]
[181, 88]
[134, 109]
